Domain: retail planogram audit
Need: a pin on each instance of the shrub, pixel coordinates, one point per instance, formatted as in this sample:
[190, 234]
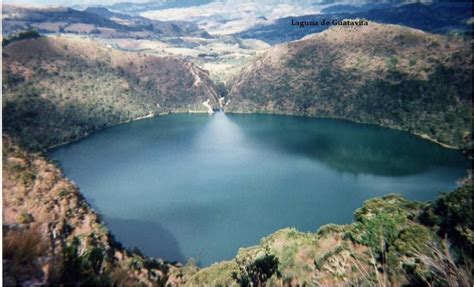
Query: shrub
[30, 34]
[21, 248]
[25, 218]
[257, 272]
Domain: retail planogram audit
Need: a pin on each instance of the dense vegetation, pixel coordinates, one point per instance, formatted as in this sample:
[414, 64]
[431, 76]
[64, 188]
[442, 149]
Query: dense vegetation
[386, 75]
[57, 90]
[30, 34]
[392, 242]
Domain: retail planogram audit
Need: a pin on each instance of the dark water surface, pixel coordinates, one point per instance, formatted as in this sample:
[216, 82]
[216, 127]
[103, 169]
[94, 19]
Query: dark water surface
[183, 186]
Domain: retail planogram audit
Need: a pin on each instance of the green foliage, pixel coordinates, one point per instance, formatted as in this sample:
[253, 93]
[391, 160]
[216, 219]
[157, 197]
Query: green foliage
[82, 267]
[378, 230]
[258, 271]
[319, 263]
[30, 34]
[385, 225]
[25, 218]
[414, 238]
[452, 215]
[330, 229]
[392, 62]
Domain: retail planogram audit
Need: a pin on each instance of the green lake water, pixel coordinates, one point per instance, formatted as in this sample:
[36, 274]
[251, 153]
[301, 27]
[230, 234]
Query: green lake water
[182, 186]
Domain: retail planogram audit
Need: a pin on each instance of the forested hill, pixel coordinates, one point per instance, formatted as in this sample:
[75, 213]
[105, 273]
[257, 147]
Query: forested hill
[59, 89]
[381, 74]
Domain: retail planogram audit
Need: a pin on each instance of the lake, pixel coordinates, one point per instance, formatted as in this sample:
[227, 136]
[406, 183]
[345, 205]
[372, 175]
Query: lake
[197, 186]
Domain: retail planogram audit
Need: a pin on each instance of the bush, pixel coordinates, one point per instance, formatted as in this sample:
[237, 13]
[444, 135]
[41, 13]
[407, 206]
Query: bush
[21, 248]
[453, 216]
[257, 273]
[30, 34]
[25, 218]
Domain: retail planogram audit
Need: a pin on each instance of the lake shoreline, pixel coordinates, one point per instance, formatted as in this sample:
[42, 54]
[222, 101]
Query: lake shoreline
[422, 136]
[149, 116]
[322, 154]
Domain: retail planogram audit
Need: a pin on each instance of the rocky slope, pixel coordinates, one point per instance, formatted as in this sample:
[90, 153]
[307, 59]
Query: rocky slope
[60, 89]
[382, 74]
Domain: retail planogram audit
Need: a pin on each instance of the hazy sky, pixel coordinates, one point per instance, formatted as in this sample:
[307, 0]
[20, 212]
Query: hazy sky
[183, 3]
[70, 2]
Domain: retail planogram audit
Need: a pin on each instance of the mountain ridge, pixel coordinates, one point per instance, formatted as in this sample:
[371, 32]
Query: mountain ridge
[442, 18]
[58, 89]
[388, 75]
[84, 86]
[98, 22]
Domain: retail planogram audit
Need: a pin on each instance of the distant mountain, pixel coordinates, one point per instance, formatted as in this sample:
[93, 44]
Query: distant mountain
[59, 89]
[136, 8]
[168, 28]
[442, 17]
[351, 8]
[382, 74]
[99, 22]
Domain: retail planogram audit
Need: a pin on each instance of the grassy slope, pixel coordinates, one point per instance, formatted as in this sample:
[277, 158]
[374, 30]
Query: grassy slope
[58, 89]
[383, 74]
[392, 241]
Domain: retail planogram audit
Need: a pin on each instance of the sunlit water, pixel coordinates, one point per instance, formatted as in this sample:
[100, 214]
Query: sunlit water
[183, 186]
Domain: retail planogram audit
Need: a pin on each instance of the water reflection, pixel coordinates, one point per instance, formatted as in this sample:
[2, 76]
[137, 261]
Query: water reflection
[151, 237]
[200, 186]
[349, 147]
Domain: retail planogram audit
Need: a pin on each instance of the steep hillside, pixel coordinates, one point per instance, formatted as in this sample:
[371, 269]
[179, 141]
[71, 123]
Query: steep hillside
[392, 242]
[382, 74]
[52, 236]
[59, 89]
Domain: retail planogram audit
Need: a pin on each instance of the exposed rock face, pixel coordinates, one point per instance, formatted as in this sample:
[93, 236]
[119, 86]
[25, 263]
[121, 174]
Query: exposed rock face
[383, 74]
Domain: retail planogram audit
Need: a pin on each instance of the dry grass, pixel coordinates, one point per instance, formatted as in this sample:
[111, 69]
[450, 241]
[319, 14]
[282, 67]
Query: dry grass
[21, 249]
[444, 268]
